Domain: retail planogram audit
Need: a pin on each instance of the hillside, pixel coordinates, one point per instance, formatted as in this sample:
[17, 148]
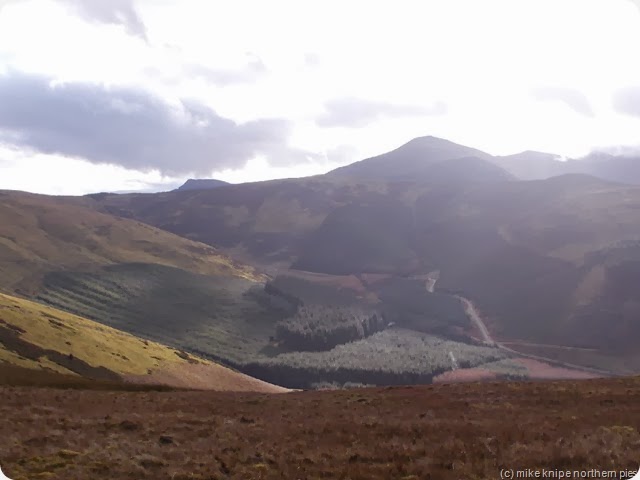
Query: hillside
[38, 337]
[262, 222]
[40, 234]
[447, 431]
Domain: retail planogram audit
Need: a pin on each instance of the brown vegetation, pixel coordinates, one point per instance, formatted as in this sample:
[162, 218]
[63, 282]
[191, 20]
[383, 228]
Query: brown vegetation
[469, 431]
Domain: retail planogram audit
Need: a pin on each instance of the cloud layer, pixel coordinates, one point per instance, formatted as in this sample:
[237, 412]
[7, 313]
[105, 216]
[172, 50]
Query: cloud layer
[357, 112]
[116, 12]
[134, 129]
[574, 99]
[254, 69]
[627, 100]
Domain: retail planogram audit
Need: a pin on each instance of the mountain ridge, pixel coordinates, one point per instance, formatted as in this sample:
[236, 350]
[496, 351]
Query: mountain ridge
[201, 184]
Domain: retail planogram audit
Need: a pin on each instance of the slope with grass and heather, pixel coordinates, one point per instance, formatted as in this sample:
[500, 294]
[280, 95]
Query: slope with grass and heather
[41, 234]
[221, 317]
[40, 338]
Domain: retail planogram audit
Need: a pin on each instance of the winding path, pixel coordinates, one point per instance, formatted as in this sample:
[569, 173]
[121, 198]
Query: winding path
[473, 314]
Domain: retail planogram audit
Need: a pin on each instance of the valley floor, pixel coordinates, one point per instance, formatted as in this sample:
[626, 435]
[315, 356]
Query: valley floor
[469, 431]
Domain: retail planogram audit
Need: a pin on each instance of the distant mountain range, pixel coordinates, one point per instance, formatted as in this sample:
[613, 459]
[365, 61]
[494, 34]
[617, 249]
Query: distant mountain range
[537, 166]
[540, 258]
[437, 160]
[552, 264]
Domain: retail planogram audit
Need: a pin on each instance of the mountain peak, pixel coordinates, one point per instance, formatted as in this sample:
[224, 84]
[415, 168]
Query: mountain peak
[411, 161]
[201, 184]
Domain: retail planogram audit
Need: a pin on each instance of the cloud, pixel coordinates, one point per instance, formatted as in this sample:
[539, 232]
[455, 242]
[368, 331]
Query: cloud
[115, 12]
[134, 129]
[254, 69]
[627, 100]
[619, 150]
[312, 59]
[341, 154]
[574, 99]
[357, 112]
[636, 3]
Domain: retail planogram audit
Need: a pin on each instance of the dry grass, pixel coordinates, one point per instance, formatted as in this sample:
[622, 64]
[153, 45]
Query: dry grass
[88, 341]
[39, 337]
[462, 431]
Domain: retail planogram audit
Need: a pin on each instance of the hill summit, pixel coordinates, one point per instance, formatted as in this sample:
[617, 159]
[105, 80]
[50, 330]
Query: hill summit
[201, 184]
[429, 159]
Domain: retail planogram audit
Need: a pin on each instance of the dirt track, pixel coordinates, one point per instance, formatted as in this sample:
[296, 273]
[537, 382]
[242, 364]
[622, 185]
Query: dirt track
[475, 317]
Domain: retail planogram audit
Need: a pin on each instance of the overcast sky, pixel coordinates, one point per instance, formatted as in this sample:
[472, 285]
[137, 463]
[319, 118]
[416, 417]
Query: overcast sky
[100, 95]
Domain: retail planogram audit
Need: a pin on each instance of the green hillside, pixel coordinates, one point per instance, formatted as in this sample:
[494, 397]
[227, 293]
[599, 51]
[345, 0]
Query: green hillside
[43, 339]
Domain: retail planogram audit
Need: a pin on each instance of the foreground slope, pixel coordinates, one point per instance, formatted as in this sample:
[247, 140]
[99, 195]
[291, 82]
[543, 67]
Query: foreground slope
[440, 431]
[38, 337]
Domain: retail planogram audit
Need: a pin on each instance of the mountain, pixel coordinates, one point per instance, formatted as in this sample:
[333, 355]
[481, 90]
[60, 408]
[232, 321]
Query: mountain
[538, 166]
[519, 250]
[70, 254]
[428, 159]
[532, 165]
[201, 184]
[538, 259]
[616, 168]
[40, 338]
[435, 160]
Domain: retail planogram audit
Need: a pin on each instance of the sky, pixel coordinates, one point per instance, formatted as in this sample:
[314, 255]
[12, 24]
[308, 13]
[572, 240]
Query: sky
[124, 95]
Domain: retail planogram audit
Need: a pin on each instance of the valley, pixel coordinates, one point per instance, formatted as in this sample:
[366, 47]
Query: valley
[396, 264]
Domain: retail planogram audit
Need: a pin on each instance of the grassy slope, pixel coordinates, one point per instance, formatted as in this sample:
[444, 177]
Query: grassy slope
[40, 337]
[208, 314]
[470, 431]
[39, 234]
